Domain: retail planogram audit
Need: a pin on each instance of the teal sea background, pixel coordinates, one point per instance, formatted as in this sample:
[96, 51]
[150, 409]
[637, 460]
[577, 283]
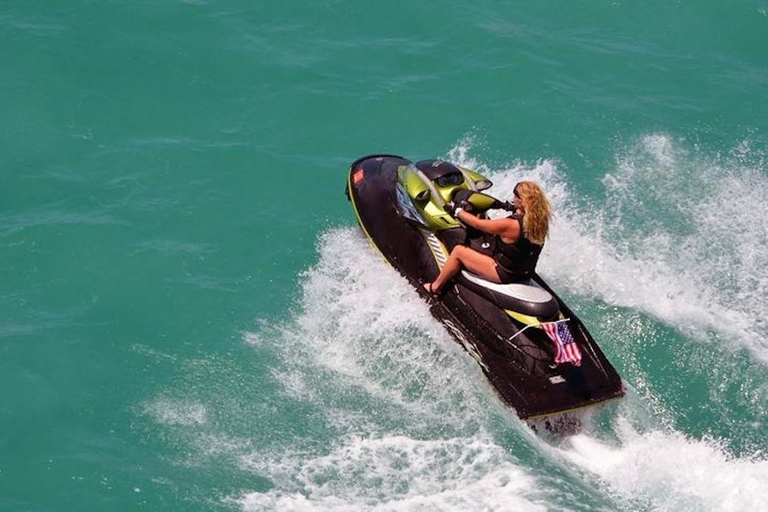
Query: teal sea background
[190, 318]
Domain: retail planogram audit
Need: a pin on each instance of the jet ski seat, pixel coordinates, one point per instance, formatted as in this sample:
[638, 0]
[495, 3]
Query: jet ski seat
[524, 297]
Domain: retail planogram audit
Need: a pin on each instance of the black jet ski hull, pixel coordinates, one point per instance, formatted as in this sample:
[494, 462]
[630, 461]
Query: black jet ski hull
[519, 365]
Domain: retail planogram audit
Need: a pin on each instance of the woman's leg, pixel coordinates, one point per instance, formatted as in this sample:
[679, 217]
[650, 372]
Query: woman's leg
[462, 256]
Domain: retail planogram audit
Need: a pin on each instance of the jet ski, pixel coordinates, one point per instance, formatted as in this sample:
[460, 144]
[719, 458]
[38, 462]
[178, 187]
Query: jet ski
[511, 330]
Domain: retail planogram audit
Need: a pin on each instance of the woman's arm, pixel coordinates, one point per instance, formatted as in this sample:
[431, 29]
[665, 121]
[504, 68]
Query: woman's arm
[506, 228]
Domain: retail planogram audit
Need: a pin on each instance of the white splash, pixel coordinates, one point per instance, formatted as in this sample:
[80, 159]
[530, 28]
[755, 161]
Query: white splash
[395, 473]
[362, 323]
[668, 471]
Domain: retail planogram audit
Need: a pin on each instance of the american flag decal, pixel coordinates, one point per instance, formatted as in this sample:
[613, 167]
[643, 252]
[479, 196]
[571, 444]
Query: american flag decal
[566, 349]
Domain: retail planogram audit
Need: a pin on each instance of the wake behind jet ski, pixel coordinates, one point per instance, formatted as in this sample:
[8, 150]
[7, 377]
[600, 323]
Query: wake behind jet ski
[519, 332]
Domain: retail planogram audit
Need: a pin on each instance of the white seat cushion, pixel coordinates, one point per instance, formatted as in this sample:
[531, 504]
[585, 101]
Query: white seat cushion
[521, 291]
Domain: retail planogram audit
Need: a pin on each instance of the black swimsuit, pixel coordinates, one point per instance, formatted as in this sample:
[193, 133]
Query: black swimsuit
[517, 261]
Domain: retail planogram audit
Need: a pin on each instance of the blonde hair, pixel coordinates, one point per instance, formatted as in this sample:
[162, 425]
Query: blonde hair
[537, 209]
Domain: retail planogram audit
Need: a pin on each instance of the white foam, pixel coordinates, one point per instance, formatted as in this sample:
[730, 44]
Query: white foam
[395, 473]
[366, 329]
[172, 412]
[661, 470]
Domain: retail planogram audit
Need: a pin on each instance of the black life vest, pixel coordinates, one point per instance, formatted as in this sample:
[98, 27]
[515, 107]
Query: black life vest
[516, 261]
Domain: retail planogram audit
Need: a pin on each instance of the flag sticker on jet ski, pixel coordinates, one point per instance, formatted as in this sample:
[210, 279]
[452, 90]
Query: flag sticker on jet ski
[567, 351]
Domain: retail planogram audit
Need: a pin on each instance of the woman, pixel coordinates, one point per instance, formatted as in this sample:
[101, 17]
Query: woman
[519, 240]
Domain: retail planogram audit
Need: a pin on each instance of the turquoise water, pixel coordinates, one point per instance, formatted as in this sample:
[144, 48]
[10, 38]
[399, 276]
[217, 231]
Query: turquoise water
[191, 320]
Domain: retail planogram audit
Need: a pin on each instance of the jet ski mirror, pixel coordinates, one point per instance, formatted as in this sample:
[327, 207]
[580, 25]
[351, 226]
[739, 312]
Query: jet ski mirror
[423, 195]
[483, 184]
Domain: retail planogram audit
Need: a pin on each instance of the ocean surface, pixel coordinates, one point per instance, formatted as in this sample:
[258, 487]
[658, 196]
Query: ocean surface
[191, 320]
